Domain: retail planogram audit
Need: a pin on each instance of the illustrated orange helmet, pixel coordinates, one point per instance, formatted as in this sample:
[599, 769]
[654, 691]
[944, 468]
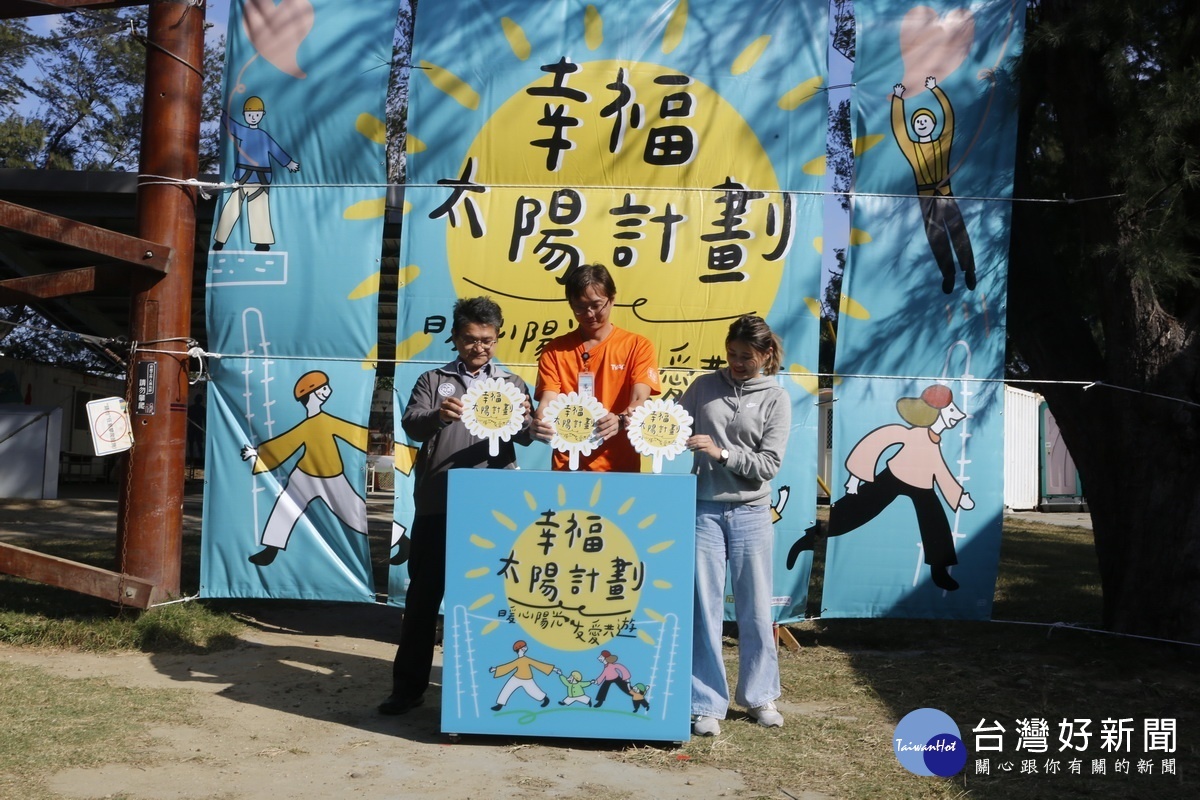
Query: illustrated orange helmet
[253, 104]
[309, 382]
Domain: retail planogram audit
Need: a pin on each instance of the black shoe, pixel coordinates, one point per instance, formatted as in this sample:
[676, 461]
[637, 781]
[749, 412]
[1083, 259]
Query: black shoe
[562, 702]
[265, 556]
[218, 246]
[545, 702]
[262, 248]
[497, 707]
[805, 542]
[597, 704]
[948, 283]
[969, 279]
[394, 706]
[942, 580]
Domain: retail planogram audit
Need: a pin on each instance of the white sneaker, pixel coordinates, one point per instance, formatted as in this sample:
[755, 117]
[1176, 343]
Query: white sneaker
[767, 716]
[705, 726]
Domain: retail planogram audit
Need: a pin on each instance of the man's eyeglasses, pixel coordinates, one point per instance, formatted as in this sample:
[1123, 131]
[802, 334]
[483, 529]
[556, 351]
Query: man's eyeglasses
[593, 308]
[467, 342]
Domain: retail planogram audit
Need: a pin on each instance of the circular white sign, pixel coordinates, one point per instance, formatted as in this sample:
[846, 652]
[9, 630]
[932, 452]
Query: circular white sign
[493, 409]
[574, 419]
[659, 429]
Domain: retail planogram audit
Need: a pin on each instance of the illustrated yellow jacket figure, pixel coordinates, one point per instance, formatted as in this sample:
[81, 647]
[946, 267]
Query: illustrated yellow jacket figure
[520, 671]
[930, 161]
[319, 472]
[318, 436]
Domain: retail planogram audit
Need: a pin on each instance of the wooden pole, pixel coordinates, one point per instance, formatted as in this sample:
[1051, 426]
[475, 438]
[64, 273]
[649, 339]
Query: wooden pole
[150, 527]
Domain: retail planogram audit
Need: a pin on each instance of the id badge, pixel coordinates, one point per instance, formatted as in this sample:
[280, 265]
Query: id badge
[587, 384]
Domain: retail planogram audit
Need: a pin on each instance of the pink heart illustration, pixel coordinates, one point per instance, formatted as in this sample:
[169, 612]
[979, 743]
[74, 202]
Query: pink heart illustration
[933, 45]
[276, 31]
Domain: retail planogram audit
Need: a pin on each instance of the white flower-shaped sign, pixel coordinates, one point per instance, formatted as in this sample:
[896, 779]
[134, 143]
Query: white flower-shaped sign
[659, 428]
[493, 409]
[574, 418]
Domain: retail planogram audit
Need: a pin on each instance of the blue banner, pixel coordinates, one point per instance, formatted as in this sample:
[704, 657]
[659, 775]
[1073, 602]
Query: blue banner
[569, 604]
[918, 435]
[292, 290]
[681, 145]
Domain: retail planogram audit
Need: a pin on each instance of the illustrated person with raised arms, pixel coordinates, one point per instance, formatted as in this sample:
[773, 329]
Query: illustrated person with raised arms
[521, 670]
[433, 417]
[913, 472]
[929, 157]
[319, 473]
[742, 421]
[617, 367]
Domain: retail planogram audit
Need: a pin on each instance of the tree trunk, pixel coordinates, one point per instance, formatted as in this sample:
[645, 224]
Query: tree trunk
[1081, 309]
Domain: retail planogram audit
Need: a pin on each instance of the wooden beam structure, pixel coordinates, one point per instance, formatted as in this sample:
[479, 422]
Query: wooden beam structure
[124, 590]
[51, 284]
[117, 246]
[11, 9]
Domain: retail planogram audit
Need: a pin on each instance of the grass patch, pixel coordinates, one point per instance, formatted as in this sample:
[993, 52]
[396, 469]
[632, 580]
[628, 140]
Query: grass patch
[53, 723]
[853, 680]
[184, 627]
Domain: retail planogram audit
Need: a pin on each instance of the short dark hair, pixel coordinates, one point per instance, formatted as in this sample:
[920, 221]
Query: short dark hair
[755, 332]
[580, 278]
[478, 311]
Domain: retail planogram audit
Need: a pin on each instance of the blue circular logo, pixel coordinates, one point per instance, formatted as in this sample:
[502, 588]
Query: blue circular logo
[927, 742]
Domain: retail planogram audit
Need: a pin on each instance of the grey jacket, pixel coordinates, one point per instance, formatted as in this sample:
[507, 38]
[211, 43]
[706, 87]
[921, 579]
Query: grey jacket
[752, 420]
[447, 447]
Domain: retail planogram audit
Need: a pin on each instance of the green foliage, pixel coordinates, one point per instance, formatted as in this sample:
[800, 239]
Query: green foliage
[90, 91]
[16, 45]
[1134, 132]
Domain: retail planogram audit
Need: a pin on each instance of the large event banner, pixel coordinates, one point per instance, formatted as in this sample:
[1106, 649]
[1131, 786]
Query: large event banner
[292, 299]
[918, 433]
[569, 604]
[680, 144]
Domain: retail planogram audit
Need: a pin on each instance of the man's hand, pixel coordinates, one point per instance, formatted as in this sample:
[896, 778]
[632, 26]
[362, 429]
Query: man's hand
[608, 426]
[965, 502]
[294, 166]
[543, 430]
[898, 90]
[931, 82]
[249, 453]
[852, 484]
[450, 410]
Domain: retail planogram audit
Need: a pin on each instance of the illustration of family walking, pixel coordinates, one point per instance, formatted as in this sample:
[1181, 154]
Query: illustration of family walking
[520, 672]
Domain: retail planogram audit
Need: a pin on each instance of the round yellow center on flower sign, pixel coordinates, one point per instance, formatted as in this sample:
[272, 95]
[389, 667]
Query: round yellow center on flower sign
[575, 579]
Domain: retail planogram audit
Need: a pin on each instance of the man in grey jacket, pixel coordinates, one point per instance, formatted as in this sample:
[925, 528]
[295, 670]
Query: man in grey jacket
[433, 417]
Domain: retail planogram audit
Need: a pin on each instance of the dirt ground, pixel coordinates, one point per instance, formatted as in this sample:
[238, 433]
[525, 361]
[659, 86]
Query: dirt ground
[290, 712]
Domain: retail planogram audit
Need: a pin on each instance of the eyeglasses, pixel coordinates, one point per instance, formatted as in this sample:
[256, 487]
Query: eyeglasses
[467, 343]
[593, 308]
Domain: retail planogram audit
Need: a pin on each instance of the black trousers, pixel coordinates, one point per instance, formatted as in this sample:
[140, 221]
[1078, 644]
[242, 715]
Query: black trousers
[427, 585]
[855, 510]
[947, 233]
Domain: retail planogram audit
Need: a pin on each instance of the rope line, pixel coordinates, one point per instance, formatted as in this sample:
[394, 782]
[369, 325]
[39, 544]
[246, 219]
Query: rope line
[207, 186]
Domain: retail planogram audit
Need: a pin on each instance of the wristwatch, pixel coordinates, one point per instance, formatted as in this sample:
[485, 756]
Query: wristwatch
[724, 455]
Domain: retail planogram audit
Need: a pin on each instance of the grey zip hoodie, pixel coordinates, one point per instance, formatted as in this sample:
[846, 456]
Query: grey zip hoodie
[752, 420]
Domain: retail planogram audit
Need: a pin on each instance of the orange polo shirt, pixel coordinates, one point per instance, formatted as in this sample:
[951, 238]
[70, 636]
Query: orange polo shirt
[618, 362]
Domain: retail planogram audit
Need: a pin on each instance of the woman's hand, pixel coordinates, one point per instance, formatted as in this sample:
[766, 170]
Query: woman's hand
[703, 443]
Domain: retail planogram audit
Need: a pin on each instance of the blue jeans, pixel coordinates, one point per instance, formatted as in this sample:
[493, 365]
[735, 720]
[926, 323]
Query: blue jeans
[740, 535]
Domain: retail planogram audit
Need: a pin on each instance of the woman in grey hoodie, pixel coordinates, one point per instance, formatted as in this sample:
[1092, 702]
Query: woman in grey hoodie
[742, 420]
